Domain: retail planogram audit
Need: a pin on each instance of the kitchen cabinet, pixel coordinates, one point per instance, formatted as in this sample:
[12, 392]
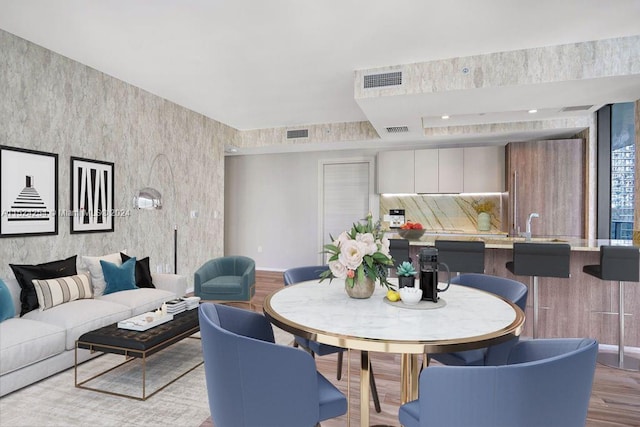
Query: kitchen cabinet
[426, 171]
[484, 169]
[547, 177]
[439, 170]
[445, 170]
[395, 172]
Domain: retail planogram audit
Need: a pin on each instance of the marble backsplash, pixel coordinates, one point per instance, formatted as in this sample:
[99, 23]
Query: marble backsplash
[449, 213]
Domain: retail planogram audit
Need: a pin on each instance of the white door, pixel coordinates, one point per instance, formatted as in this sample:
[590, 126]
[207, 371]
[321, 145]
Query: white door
[345, 196]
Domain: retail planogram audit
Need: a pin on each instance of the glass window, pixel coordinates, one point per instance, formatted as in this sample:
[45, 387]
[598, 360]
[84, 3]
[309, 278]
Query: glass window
[622, 170]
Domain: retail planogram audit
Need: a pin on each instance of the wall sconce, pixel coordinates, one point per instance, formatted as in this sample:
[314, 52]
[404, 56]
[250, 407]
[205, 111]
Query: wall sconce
[151, 199]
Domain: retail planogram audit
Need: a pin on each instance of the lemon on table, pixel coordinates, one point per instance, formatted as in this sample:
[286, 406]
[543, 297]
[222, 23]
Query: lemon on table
[393, 295]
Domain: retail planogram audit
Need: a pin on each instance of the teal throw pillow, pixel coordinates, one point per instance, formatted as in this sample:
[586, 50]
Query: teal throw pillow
[7, 310]
[119, 277]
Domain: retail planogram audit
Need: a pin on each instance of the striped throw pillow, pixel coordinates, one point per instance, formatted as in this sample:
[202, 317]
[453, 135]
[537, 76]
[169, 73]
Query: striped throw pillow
[52, 292]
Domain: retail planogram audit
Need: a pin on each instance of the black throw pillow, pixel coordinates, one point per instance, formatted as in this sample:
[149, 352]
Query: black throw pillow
[48, 270]
[143, 273]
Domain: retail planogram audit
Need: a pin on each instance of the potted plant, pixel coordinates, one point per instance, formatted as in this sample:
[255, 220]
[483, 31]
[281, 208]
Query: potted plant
[406, 275]
[361, 257]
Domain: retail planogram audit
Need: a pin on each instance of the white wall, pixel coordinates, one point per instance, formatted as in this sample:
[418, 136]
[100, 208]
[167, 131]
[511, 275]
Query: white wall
[271, 201]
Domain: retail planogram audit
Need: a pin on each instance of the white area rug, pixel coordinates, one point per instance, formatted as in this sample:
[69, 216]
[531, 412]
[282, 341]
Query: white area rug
[57, 402]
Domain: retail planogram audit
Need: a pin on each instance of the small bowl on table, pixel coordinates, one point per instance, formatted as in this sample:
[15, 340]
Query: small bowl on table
[411, 233]
[410, 296]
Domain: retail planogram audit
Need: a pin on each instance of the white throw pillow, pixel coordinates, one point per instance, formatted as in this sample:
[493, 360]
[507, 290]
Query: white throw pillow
[92, 263]
[52, 292]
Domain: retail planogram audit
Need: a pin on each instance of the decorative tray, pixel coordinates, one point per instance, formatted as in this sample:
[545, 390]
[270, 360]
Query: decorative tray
[140, 322]
[421, 305]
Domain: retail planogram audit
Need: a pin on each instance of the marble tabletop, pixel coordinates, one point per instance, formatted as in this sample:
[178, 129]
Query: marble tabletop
[325, 313]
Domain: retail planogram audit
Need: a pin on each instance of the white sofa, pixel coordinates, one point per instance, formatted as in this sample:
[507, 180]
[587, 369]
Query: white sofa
[42, 343]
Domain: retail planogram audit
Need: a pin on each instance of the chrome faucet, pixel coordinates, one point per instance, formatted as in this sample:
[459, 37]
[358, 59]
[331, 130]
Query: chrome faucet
[527, 234]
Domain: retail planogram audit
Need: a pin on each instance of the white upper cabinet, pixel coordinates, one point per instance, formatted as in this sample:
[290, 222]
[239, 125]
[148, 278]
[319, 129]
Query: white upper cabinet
[484, 169]
[395, 172]
[445, 170]
[426, 171]
[451, 170]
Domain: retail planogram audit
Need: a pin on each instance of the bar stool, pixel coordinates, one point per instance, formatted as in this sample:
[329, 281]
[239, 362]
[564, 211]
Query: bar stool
[399, 251]
[621, 263]
[461, 257]
[540, 260]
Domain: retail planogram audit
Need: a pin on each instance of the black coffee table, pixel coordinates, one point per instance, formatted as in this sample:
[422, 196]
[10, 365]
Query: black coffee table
[137, 345]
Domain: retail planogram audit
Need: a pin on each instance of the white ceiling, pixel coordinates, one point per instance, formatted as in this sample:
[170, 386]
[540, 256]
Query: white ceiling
[255, 64]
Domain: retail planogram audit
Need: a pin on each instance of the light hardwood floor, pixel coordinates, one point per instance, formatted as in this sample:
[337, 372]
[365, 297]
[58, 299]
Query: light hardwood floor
[615, 400]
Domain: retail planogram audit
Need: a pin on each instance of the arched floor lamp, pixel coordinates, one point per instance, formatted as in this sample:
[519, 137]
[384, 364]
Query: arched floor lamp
[150, 198]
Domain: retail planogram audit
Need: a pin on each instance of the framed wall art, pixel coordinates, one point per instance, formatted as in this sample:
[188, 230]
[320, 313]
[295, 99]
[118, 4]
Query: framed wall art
[91, 196]
[28, 192]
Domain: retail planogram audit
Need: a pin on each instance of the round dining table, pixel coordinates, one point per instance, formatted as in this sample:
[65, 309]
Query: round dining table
[464, 318]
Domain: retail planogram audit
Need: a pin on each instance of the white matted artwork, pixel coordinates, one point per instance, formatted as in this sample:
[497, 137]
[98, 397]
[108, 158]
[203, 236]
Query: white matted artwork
[91, 196]
[28, 192]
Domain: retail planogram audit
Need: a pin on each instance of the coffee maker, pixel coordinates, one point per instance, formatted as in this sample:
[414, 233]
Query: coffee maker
[429, 267]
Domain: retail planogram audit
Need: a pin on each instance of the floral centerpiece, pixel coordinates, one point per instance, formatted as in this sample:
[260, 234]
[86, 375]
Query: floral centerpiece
[360, 256]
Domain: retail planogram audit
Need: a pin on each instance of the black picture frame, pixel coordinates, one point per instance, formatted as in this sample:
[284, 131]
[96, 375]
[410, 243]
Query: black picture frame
[92, 196]
[28, 192]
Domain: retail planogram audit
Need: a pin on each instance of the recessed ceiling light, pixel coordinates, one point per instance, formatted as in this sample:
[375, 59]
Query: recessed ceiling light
[533, 111]
[445, 117]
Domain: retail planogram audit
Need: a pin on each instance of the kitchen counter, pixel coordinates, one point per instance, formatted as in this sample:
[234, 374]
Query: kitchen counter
[504, 242]
[580, 306]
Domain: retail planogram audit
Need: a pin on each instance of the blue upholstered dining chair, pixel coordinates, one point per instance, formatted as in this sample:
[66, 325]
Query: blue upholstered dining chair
[513, 291]
[229, 279]
[312, 272]
[546, 382]
[251, 381]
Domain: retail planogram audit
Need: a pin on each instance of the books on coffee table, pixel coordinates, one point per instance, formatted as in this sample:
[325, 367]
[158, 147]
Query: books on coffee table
[176, 306]
[192, 302]
[179, 305]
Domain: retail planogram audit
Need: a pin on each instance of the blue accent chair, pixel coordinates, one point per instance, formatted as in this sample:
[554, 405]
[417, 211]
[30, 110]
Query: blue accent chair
[313, 272]
[546, 382]
[251, 381]
[229, 278]
[513, 291]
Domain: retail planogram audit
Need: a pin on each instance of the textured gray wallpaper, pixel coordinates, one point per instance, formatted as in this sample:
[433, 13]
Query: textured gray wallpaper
[51, 103]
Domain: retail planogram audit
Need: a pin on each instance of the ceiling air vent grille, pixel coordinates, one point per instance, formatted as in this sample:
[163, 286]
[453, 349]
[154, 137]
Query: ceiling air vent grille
[577, 108]
[298, 133]
[380, 80]
[397, 129]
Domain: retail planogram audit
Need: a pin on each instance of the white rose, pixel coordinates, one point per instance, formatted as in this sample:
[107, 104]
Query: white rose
[338, 269]
[351, 254]
[368, 243]
[343, 237]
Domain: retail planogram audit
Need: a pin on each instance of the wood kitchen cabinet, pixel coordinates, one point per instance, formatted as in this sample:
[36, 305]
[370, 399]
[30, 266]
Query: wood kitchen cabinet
[547, 177]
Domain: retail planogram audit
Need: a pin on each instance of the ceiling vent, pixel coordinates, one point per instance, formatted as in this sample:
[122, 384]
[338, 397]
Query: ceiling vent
[577, 108]
[397, 129]
[298, 133]
[380, 80]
